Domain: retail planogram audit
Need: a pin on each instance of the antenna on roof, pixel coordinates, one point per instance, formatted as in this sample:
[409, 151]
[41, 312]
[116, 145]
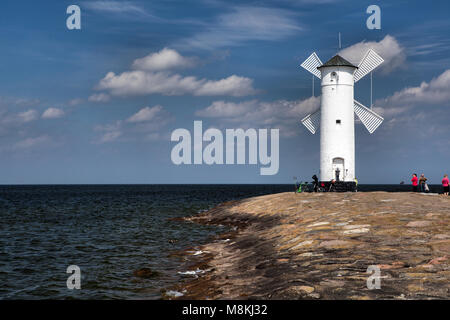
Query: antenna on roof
[371, 79]
[340, 47]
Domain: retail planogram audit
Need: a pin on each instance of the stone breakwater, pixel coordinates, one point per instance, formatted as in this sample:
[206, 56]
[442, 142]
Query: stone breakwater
[319, 246]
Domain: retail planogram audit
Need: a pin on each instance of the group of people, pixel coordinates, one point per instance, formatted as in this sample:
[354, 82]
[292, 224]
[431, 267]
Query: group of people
[421, 185]
[315, 184]
[318, 188]
[321, 186]
[332, 185]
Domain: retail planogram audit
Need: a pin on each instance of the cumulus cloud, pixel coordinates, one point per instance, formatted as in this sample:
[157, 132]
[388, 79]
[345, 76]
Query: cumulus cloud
[109, 136]
[166, 59]
[155, 136]
[22, 102]
[27, 116]
[153, 75]
[31, 142]
[145, 114]
[52, 113]
[145, 124]
[75, 102]
[99, 97]
[232, 86]
[144, 83]
[389, 49]
[243, 24]
[282, 114]
[260, 109]
[223, 109]
[13, 124]
[109, 132]
[435, 92]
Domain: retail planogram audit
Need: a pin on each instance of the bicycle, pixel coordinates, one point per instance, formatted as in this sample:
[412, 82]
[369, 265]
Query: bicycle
[316, 187]
[304, 187]
[320, 189]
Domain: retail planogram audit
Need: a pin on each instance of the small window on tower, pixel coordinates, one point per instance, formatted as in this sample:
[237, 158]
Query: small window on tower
[338, 121]
[333, 76]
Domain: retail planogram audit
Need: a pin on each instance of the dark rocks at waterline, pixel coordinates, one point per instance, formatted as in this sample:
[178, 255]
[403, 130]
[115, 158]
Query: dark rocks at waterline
[146, 273]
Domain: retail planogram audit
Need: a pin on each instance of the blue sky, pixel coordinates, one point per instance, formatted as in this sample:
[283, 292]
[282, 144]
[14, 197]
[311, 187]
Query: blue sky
[98, 105]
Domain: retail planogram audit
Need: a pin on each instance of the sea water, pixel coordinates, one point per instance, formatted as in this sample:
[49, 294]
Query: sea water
[108, 231]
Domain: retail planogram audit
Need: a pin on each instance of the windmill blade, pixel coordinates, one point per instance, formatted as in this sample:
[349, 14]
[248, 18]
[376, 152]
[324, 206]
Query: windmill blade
[312, 63]
[370, 119]
[370, 61]
[312, 121]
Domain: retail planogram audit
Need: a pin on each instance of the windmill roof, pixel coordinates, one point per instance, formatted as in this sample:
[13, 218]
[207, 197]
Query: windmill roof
[337, 60]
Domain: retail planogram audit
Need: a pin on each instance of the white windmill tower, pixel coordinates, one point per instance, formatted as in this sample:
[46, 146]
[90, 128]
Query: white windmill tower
[336, 114]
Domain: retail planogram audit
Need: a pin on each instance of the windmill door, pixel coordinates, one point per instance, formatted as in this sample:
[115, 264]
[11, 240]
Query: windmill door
[338, 169]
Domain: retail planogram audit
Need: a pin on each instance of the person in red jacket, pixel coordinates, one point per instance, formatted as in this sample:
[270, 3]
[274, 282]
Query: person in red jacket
[445, 184]
[415, 182]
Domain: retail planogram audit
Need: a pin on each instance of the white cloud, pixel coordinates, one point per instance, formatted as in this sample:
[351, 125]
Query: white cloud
[222, 109]
[114, 7]
[144, 83]
[14, 122]
[99, 97]
[389, 49]
[155, 136]
[153, 76]
[75, 102]
[245, 24]
[282, 114]
[31, 142]
[27, 116]
[24, 102]
[52, 113]
[166, 59]
[145, 114]
[255, 109]
[110, 136]
[145, 124]
[109, 132]
[309, 2]
[232, 86]
[435, 92]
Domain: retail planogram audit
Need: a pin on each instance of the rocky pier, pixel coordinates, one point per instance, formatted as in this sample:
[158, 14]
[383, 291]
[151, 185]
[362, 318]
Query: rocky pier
[320, 246]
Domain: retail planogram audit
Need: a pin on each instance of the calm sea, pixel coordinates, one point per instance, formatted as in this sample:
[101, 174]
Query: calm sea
[108, 231]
